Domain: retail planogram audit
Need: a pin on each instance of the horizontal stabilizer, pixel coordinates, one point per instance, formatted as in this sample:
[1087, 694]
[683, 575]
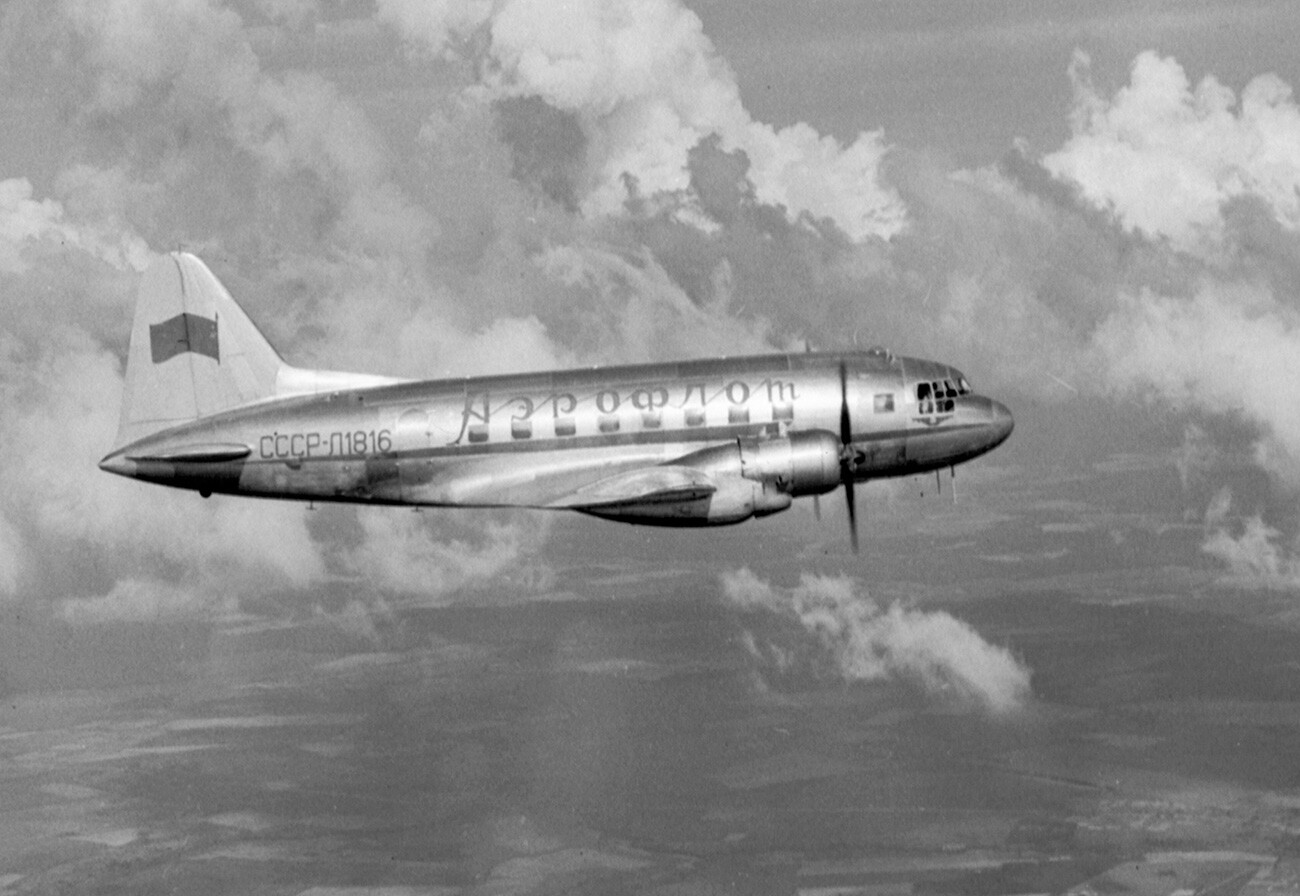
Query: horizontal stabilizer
[651, 485]
[211, 453]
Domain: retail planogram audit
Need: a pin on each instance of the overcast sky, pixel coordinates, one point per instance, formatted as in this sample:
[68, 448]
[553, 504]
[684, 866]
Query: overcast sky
[1090, 207]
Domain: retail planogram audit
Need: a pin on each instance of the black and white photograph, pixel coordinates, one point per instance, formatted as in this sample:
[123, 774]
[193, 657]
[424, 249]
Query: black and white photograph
[650, 447]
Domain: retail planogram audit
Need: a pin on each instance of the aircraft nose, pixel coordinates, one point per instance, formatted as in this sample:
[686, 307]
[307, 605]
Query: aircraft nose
[1002, 421]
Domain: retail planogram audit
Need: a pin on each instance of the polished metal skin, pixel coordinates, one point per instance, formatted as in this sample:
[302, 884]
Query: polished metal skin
[683, 444]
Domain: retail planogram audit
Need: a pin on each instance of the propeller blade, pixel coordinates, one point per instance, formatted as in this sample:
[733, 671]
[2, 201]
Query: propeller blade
[846, 427]
[851, 501]
[817, 508]
[846, 457]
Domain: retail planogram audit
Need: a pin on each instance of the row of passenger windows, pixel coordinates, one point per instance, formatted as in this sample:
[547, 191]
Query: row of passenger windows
[611, 423]
[883, 403]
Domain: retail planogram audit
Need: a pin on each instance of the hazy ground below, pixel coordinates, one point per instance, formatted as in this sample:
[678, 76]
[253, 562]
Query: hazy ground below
[604, 726]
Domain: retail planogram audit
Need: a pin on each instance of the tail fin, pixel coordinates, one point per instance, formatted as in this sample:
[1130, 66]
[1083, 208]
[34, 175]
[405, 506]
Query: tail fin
[193, 351]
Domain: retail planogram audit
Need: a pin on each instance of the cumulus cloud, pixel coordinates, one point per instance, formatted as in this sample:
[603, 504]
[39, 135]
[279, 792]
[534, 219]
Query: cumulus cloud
[1229, 348]
[24, 219]
[419, 555]
[941, 653]
[214, 144]
[646, 86]
[572, 185]
[61, 414]
[637, 313]
[137, 44]
[1164, 157]
[436, 22]
[1155, 255]
[282, 169]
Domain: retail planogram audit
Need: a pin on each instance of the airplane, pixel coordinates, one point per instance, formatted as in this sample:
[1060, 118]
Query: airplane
[210, 406]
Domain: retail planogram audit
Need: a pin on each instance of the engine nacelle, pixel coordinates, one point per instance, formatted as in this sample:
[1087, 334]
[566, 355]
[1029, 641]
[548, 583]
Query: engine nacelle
[737, 499]
[802, 463]
[753, 477]
[734, 500]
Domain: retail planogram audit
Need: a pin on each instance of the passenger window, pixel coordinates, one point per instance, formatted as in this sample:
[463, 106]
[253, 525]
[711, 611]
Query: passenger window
[783, 413]
[738, 415]
[651, 419]
[884, 403]
[521, 429]
[478, 432]
[607, 423]
[695, 417]
[564, 426]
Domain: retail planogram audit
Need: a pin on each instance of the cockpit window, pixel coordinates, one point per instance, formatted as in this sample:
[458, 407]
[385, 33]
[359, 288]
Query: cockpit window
[964, 387]
[936, 397]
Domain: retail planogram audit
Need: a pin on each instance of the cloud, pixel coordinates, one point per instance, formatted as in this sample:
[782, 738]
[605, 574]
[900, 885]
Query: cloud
[506, 345]
[425, 556]
[139, 600]
[214, 144]
[1165, 157]
[1208, 185]
[1230, 348]
[637, 313]
[435, 22]
[939, 652]
[24, 219]
[61, 414]
[646, 86]
[1257, 557]
[565, 186]
[1063, 268]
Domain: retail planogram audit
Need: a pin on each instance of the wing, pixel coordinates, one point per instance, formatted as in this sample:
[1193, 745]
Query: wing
[704, 487]
[644, 487]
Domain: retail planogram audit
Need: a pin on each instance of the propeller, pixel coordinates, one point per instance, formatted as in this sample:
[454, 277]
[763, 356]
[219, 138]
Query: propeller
[847, 462]
[817, 500]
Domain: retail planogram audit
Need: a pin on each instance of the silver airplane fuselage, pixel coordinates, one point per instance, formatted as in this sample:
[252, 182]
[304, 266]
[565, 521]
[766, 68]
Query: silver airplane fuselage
[691, 443]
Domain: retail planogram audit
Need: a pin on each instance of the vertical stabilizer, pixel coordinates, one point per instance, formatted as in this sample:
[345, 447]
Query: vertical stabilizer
[193, 351]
